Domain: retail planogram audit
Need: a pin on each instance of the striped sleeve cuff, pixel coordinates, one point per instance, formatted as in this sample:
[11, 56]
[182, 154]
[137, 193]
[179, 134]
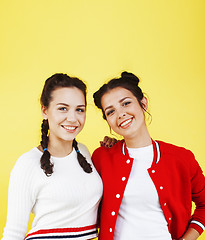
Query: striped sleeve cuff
[199, 227]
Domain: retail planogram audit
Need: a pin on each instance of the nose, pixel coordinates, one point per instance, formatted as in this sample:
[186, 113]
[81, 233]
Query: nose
[121, 115]
[71, 116]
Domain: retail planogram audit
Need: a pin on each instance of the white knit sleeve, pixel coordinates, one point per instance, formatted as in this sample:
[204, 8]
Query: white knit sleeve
[20, 200]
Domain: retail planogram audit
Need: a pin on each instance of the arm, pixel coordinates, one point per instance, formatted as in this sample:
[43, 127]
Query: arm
[19, 203]
[191, 234]
[197, 224]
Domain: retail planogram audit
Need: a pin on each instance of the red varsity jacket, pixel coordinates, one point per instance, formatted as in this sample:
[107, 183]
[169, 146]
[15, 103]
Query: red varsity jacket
[176, 175]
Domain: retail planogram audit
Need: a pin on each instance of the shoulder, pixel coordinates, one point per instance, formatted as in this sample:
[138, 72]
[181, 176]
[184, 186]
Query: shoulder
[179, 156]
[107, 153]
[27, 161]
[171, 149]
[83, 149]
[27, 172]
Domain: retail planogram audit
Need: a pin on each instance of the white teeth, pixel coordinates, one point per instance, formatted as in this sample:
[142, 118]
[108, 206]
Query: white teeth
[69, 128]
[125, 123]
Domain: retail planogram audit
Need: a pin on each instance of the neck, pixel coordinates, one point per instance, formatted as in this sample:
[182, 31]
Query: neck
[60, 148]
[139, 140]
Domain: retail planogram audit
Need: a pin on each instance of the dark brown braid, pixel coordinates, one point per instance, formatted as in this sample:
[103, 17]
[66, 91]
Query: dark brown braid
[59, 80]
[81, 159]
[46, 164]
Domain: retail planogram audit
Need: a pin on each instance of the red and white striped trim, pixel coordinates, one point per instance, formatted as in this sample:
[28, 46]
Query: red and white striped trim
[199, 224]
[87, 232]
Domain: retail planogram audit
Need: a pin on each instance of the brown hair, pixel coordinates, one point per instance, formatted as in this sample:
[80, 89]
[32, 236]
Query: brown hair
[128, 81]
[58, 80]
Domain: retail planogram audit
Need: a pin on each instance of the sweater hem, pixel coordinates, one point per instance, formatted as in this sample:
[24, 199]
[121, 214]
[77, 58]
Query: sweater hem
[65, 233]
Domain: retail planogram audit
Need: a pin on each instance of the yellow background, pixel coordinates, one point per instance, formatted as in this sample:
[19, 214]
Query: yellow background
[160, 41]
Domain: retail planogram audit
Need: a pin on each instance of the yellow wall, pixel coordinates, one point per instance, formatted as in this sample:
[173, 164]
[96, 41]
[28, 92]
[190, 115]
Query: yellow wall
[160, 41]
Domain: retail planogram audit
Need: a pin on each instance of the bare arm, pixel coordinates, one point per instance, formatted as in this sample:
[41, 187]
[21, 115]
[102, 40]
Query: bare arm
[191, 234]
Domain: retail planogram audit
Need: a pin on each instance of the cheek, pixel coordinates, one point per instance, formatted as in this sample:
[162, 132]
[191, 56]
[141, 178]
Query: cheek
[138, 111]
[82, 119]
[111, 122]
[56, 119]
[141, 112]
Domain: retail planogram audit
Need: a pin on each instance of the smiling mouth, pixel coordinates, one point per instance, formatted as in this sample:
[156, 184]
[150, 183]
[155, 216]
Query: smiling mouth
[69, 128]
[126, 123]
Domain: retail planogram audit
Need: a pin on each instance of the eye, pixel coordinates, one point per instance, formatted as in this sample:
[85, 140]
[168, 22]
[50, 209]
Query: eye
[126, 103]
[80, 109]
[63, 109]
[108, 113]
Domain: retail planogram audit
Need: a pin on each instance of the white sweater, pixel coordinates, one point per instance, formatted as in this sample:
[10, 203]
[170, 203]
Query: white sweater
[68, 199]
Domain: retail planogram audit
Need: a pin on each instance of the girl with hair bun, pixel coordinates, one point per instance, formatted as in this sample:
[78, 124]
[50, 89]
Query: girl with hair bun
[56, 180]
[148, 185]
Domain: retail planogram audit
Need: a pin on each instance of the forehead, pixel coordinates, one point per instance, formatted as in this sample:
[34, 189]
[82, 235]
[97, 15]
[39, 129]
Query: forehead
[68, 95]
[113, 96]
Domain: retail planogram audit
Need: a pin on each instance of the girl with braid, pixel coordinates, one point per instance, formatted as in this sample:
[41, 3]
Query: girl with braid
[148, 186]
[56, 180]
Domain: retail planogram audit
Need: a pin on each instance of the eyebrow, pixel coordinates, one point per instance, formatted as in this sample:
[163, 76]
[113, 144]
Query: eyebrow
[121, 100]
[82, 105]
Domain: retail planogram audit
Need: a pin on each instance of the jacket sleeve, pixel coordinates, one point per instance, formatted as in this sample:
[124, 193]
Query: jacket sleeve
[198, 196]
[96, 159]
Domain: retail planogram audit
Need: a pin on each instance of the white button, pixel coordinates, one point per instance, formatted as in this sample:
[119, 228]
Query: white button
[165, 204]
[161, 187]
[118, 196]
[123, 178]
[110, 229]
[153, 171]
[170, 219]
[128, 161]
[113, 213]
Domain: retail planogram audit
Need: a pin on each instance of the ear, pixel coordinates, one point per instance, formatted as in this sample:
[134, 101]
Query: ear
[44, 112]
[144, 102]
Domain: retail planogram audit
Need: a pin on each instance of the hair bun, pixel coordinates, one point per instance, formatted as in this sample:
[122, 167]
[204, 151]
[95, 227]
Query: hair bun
[130, 76]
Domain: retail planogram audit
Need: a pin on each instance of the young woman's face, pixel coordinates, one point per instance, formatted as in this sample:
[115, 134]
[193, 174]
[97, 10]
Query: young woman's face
[123, 112]
[66, 113]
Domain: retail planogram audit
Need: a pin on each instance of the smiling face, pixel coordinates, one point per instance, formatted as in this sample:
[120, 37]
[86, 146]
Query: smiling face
[65, 113]
[125, 115]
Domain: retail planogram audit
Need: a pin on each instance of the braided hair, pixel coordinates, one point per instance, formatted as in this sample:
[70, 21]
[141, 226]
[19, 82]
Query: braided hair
[81, 159]
[58, 80]
[46, 165]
